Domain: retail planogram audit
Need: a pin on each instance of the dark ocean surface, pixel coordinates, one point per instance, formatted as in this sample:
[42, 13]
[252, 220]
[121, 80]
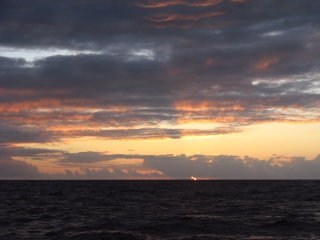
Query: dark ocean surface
[160, 210]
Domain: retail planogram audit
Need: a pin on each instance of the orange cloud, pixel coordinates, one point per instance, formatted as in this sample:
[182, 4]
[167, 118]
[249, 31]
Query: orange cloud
[205, 105]
[191, 105]
[158, 4]
[19, 106]
[197, 132]
[32, 118]
[22, 92]
[190, 24]
[209, 119]
[210, 61]
[180, 25]
[177, 17]
[265, 62]
[43, 104]
[48, 105]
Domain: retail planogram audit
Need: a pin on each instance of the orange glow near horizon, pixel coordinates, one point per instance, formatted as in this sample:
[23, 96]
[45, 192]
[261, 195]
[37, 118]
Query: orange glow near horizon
[259, 141]
[205, 105]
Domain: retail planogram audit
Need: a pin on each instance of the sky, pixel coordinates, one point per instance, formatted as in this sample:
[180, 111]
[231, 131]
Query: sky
[159, 89]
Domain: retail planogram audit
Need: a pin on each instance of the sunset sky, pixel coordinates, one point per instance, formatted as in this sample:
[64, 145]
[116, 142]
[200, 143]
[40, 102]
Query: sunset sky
[159, 89]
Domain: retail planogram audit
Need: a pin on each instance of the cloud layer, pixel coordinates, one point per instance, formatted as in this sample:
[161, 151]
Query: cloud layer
[92, 166]
[143, 69]
[159, 62]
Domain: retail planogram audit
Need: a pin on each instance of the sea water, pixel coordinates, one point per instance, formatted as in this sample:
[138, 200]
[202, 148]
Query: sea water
[172, 209]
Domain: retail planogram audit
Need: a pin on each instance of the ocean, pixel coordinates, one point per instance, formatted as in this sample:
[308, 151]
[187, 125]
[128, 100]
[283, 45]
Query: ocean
[162, 209]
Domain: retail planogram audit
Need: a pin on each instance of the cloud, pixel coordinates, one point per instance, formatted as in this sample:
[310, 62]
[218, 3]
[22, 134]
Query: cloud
[13, 169]
[115, 103]
[16, 169]
[10, 152]
[226, 167]
[165, 3]
[167, 166]
[265, 62]
[177, 17]
[232, 167]
[141, 65]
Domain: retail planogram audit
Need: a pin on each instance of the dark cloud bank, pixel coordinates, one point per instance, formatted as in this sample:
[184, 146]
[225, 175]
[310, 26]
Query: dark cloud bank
[160, 166]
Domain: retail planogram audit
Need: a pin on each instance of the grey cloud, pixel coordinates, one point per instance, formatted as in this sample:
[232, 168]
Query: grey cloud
[218, 167]
[15, 133]
[184, 69]
[140, 85]
[153, 133]
[95, 24]
[170, 166]
[15, 169]
[10, 152]
[231, 167]
[11, 63]
[116, 173]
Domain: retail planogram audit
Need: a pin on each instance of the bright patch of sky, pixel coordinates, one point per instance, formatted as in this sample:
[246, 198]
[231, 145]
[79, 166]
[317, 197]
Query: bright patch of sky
[202, 126]
[273, 33]
[270, 82]
[31, 55]
[310, 81]
[143, 53]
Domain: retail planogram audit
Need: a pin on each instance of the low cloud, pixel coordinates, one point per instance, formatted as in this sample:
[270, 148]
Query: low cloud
[16, 169]
[165, 167]
[232, 167]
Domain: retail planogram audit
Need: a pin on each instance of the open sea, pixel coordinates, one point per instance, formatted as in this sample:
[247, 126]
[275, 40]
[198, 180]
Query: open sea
[166, 209]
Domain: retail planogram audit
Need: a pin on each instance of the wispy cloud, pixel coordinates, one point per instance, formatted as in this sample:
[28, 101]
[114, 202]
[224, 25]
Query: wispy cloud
[165, 3]
[177, 17]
